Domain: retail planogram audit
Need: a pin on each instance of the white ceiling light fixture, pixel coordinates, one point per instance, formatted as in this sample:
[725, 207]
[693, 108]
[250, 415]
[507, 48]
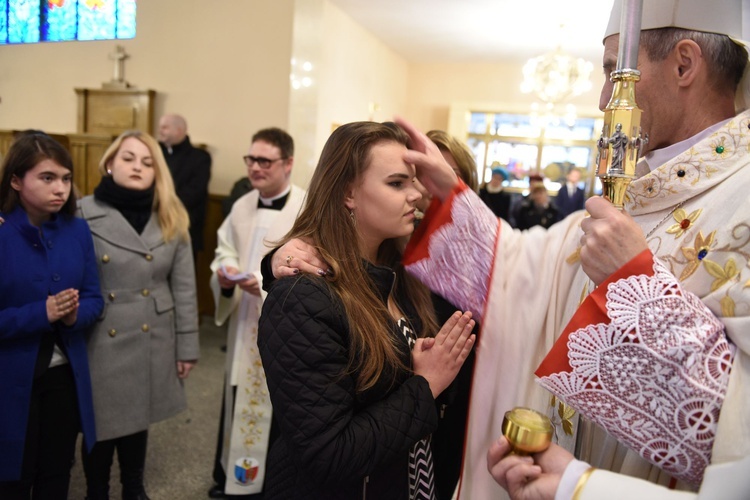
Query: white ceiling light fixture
[556, 76]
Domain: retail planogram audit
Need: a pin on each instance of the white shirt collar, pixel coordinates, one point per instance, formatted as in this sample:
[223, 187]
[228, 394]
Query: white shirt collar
[269, 201]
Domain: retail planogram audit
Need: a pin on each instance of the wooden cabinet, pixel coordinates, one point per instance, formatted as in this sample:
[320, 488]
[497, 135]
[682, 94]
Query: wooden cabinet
[113, 111]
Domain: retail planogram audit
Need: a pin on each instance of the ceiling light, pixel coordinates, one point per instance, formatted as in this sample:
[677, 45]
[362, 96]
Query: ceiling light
[556, 76]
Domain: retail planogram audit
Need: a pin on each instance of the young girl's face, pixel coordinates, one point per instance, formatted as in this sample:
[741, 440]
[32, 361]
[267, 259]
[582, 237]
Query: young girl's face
[384, 200]
[133, 166]
[43, 190]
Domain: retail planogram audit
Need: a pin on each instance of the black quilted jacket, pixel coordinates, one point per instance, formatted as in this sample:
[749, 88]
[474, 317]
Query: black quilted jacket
[334, 442]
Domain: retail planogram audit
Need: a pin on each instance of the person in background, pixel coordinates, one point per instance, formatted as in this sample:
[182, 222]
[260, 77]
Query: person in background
[571, 196]
[495, 197]
[536, 209]
[458, 155]
[49, 298]
[265, 213]
[190, 168]
[146, 341]
[357, 400]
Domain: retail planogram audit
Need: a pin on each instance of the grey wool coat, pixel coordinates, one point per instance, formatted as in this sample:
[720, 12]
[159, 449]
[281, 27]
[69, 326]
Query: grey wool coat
[150, 320]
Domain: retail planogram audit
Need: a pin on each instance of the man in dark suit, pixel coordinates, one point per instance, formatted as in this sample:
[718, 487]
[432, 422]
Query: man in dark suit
[191, 170]
[571, 196]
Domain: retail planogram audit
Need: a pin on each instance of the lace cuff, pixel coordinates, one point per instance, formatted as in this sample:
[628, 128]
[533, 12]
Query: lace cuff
[655, 375]
[453, 249]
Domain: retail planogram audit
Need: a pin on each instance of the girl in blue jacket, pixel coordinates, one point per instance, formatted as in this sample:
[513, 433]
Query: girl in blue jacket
[49, 296]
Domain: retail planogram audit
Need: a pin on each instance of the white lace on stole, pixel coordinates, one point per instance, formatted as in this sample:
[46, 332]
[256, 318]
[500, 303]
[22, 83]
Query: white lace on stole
[655, 376]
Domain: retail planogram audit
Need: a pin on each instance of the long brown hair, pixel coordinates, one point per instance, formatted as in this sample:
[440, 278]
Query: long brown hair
[325, 221]
[173, 218]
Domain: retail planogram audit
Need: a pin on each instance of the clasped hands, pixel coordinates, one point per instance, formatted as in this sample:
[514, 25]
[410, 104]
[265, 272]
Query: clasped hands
[439, 359]
[436, 359]
[63, 306]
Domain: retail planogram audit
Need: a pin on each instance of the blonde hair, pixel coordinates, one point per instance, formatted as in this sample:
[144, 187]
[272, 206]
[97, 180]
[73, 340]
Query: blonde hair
[467, 165]
[325, 221]
[173, 218]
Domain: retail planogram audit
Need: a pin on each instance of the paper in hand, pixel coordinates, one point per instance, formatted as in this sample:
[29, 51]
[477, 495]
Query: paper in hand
[234, 277]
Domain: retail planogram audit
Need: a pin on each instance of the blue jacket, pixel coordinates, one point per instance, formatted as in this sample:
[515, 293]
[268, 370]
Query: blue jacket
[33, 267]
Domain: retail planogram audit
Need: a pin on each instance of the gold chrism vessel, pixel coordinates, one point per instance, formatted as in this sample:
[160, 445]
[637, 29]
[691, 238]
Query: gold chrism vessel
[527, 431]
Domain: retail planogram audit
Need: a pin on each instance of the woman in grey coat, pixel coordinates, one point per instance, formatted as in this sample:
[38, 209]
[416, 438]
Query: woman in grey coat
[146, 340]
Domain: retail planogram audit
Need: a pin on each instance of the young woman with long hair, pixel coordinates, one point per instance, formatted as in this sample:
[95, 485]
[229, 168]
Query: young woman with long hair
[355, 360]
[146, 341]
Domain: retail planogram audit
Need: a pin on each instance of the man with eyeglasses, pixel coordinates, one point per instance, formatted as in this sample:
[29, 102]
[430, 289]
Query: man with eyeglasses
[263, 215]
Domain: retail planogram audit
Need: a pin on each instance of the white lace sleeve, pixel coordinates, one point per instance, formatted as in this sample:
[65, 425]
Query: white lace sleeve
[461, 254]
[655, 376]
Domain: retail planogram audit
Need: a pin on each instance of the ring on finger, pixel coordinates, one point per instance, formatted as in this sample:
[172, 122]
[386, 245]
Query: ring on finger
[289, 260]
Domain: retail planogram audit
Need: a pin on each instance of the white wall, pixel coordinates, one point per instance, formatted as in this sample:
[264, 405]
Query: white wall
[436, 88]
[223, 64]
[352, 72]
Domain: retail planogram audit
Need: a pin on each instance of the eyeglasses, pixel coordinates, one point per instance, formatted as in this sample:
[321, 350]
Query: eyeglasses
[264, 163]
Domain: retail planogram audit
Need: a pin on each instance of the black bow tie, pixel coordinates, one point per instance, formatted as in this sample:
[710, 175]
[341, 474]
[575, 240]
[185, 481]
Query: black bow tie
[276, 204]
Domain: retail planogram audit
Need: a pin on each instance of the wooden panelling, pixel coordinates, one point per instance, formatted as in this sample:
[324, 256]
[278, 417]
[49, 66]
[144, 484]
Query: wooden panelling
[86, 151]
[214, 218]
[111, 111]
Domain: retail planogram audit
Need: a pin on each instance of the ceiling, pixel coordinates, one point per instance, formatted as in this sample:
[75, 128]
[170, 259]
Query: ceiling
[483, 30]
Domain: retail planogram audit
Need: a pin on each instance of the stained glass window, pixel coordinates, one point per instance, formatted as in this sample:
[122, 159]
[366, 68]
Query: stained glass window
[30, 21]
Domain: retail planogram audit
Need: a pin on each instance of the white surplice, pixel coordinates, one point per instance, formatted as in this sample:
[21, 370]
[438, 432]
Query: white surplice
[245, 236]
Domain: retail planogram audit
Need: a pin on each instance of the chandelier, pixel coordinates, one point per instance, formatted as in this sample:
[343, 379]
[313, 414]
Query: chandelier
[556, 76]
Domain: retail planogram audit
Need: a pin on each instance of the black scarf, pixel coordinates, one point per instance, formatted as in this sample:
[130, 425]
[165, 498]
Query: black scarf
[135, 206]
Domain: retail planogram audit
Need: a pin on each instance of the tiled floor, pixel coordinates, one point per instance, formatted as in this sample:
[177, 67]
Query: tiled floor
[181, 449]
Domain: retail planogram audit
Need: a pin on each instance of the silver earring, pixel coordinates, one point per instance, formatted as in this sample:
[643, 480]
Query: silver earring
[351, 214]
[109, 172]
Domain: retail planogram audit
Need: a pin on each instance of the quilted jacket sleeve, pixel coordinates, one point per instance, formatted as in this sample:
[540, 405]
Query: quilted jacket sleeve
[304, 346]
